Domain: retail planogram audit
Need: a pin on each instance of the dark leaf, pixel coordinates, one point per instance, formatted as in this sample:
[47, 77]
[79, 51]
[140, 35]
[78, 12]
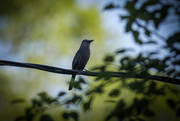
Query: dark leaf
[111, 101]
[86, 106]
[82, 80]
[150, 42]
[138, 86]
[136, 37]
[120, 51]
[18, 101]
[166, 59]
[123, 50]
[149, 113]
[128, 25]
[76, 99]
[178, 112]
[114, 93]
[77, 85]
[110, 6]
[124, 17]
[153, 53]
[43, 95]
[36, 103]
[21, 118]
[121, 104]
[46, 118]
[61, 94]
[101, 68]
[147, 32]
[109, 58]
[74, 115]
[65, 115]
[169, 72]
[171, 103]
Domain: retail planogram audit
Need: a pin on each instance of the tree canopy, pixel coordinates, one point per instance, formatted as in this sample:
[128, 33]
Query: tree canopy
[111, 98]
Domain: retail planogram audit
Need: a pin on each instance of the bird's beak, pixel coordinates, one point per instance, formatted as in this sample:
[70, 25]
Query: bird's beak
[91, 41]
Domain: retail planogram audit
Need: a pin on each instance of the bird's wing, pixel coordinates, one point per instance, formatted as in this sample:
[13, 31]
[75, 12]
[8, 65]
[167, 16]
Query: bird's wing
[75, 60]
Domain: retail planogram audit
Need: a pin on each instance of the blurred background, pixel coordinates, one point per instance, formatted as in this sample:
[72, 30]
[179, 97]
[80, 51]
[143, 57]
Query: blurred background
[50, 33]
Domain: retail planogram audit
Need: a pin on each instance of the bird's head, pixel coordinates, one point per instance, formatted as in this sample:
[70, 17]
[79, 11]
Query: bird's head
[87, 41]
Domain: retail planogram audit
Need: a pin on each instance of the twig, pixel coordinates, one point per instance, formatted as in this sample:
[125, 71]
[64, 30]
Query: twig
[88, 73]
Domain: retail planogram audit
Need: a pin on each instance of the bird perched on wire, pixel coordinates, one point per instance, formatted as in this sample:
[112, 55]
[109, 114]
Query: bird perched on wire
[80, 59]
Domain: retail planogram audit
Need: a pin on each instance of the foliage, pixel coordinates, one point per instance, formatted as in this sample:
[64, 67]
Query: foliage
[145, 94]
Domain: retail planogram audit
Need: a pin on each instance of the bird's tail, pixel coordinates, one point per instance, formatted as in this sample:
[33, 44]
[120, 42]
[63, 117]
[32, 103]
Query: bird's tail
[71, 85]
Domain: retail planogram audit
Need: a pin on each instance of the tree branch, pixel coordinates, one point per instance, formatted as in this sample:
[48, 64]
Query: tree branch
[88, 73]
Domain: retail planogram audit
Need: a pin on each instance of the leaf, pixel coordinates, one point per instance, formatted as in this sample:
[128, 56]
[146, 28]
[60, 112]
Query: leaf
[74, 115]
[109, 58]
[20, 118]
[178, 112]
[110, 6]
[18, 101]
[153, 53]
[147, 32]
[46, 118]
[36, 103]
[150, 42]
[136, 37]
[111, 101]
[120, 51]
[171, 103]
[101, 68]
[65, 115]
[77, 85]
[114, 93]
[148, 113]
[61, 94]
[128, 25]
[76, 99]
[138, 86]
[86, 106]
[124, 17]
[82, 80]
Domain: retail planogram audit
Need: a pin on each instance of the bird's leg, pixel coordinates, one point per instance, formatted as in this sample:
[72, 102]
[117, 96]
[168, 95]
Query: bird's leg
[86, 70]
[78, 71]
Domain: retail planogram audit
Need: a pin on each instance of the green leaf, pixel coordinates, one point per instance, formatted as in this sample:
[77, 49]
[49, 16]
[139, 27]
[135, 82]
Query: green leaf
[86, 106]
[124, 17]
[128, 25]
[74, 115]
[147, 32]
[77, 86]
[120, 51]
[114, 93]
[36, 103]
[123, 50]
[111, 101]
[109, 58]
[75, 99]
[138, 86]
[136, 37]
[18, 101]
[61, 94]
[82, 80]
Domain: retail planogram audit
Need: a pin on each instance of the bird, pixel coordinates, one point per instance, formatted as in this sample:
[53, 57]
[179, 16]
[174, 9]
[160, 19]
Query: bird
[80, 59]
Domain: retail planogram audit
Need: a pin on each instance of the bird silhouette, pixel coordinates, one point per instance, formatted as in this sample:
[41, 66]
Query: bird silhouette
[80, 59]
